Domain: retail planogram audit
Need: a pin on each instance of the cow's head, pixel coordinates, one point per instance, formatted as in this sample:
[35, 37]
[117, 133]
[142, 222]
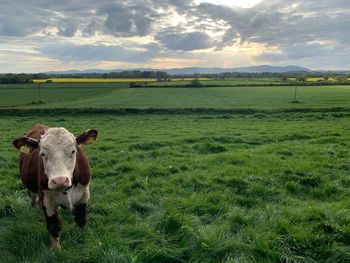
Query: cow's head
[57, 149]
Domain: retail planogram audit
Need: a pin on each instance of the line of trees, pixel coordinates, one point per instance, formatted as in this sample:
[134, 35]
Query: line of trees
[28, 78]
[20, 78]
[119, 74]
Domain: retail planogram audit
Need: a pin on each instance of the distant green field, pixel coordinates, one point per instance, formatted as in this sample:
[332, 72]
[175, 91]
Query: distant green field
[120, 96]
[13, 95]
[193, 188]
[223, 82]
[170, 81]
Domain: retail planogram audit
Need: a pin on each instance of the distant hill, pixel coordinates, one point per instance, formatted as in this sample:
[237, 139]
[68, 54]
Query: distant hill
[253, 69]
[193, 70]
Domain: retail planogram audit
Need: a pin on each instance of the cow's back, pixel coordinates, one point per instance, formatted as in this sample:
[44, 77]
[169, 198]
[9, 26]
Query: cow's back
[31, 163]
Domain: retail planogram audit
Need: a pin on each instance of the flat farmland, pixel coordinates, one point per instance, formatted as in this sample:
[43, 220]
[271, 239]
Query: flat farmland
[221, 82]
[270, 185]
[193, 188]
[14, 95]
[116, 96]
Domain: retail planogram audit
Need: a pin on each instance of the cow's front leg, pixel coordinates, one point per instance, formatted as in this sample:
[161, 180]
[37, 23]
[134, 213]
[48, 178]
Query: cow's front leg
[54, 226]
[34, 198]
[80, 209]
[80, 215]
[53, 223]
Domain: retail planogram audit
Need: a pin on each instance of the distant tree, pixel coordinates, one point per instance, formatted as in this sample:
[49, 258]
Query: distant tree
[195, 83]
[14, 78]
[161, 74]
[341, 78]
[301, 79]
[326, 78]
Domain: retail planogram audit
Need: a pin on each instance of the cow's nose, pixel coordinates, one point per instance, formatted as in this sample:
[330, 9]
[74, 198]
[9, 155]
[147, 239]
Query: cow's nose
[60, 181]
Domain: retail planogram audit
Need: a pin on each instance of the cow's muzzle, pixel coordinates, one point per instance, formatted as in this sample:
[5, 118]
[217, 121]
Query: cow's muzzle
[60, 183]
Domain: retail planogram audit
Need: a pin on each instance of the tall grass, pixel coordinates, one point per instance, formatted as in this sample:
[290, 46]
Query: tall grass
[193, 188]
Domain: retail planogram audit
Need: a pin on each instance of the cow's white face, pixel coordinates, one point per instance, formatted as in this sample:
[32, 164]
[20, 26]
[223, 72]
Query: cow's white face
[58, 149]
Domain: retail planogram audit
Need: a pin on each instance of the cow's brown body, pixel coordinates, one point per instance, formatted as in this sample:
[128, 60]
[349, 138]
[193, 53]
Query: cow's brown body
[29, 163]
[33, 176]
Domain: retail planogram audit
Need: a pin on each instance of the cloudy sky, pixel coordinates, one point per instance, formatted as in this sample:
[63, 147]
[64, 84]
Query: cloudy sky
[44, 35]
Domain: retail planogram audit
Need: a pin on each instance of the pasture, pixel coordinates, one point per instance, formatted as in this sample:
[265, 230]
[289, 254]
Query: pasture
[198, 188]
[268, 186]
[14, 95]
[119, 95]
[319, 79]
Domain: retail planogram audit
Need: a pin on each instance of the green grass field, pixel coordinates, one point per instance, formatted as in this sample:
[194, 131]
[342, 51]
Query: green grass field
[268, 186]
[13, 95]
[114, 96]
[223, 82]
[198, 188]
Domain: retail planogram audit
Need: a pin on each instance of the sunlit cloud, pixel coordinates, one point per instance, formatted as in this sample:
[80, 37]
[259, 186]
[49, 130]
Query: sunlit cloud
[240, 3]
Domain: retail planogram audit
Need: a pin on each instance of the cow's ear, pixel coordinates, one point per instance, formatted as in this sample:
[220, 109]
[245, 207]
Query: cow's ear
[25, 144]
[88, 137]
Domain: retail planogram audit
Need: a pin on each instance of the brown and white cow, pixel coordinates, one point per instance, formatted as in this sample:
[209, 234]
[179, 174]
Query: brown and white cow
[56, 172]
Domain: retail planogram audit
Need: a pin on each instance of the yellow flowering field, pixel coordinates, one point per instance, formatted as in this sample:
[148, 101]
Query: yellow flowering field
[101, 80]
[80, 80]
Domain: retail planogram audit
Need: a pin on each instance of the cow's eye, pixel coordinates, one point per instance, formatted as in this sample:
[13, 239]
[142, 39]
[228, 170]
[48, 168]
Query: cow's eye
[42, 154]
[73, 152]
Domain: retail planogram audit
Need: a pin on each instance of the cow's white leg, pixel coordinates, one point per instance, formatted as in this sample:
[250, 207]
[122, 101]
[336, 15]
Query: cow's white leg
[34, 198]
[54, 225]
[55, 243]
